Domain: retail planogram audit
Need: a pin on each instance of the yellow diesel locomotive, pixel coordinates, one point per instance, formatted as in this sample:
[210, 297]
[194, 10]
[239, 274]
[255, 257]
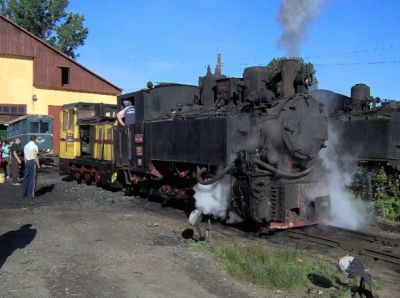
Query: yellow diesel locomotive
[86, 142]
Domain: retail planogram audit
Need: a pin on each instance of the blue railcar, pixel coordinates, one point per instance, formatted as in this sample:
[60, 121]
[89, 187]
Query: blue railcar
[39, 125]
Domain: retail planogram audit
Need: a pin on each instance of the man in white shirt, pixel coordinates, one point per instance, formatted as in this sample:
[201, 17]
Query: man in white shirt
[31, 158]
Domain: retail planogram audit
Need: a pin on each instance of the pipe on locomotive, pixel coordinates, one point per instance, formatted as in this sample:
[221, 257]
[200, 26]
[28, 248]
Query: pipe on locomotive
[215, 178]
[260, 164]
[281, 173]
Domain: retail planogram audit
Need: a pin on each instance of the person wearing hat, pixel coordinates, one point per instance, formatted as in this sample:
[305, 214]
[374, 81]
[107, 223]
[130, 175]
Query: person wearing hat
[127, 116]
[355, 268]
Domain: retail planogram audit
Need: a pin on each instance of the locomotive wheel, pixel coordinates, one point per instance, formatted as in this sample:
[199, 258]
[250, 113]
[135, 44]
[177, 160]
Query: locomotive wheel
[88, 178]
[97, 178]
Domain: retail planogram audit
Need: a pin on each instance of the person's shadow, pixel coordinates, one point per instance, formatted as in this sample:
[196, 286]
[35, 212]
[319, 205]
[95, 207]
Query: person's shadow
[12, 240]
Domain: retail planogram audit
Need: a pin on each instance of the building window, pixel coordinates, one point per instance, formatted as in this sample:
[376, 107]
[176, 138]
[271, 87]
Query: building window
[64, 75]
[11, 109]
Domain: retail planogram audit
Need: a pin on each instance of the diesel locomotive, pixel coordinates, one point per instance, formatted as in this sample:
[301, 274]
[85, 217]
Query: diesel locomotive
[263, 129]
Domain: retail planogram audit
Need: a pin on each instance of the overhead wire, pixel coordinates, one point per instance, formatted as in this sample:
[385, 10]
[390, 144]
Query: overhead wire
[363, 51]
[357, 63]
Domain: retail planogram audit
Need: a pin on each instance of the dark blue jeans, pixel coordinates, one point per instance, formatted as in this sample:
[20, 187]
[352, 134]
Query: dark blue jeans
[30, 178]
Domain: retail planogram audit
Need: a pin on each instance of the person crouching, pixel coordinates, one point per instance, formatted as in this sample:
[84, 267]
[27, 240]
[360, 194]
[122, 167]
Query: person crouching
[32, 164]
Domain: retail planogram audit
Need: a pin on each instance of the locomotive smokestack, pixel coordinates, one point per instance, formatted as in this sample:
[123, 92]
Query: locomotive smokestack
[289, 70]
[295, 18]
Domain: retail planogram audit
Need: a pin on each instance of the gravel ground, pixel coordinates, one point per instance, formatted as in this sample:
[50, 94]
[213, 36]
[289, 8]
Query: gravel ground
[82, 241]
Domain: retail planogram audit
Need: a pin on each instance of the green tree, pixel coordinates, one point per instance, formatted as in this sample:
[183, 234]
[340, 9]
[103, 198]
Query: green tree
[275, 65]
[48, 20]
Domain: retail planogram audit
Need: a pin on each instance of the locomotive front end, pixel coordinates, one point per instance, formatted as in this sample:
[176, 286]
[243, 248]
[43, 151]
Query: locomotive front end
[277, 184]
[295, 196]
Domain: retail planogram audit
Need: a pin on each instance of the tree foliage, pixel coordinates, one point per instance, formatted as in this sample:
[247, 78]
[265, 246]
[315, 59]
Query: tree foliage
[275, 65]
[48, 20]
[387, 193]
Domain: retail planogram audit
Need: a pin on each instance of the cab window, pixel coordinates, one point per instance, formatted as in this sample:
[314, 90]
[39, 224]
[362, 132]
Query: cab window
[34, 127]
[65, 120]
[44, 127]
[71, 119]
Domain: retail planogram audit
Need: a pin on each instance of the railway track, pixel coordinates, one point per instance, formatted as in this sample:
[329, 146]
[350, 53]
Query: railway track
[361, 243]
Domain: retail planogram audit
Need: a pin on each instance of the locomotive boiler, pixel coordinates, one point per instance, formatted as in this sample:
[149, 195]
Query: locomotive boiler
[263, 129]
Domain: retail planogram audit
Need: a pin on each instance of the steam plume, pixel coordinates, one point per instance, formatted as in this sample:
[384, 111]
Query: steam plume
[215, 199]
[295, 16]
[346, 210]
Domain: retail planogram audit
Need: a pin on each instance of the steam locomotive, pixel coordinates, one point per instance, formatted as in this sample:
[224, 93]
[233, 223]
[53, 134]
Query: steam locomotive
[368, 131]
[263, 129]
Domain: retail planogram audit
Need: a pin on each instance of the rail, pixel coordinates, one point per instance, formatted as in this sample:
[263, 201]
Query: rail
[351, 246]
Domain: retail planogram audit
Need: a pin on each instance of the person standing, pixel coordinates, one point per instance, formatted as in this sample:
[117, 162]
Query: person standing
[1, 153]
[15, 161]
[32, 164]
[6, 157]
[127, 116]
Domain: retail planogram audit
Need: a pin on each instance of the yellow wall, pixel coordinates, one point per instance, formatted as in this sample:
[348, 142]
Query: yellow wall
[57, 98]
[16, 87]
[16, 81]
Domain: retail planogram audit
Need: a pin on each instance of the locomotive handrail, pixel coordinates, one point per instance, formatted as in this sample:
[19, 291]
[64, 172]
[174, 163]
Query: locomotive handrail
[215, 178]
[281, 173]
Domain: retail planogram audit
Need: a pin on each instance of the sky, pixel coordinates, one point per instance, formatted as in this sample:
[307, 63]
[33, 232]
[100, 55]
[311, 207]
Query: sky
[132, 42]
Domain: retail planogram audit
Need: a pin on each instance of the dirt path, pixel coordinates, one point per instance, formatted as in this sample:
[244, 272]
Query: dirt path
[82, 241]
[87, 242]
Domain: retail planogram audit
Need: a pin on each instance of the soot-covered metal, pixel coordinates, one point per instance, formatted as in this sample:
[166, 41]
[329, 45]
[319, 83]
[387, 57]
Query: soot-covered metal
[263, 129]
[368, 132]
[259, 135]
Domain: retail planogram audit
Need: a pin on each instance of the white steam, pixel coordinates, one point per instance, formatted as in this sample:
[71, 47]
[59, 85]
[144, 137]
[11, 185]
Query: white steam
[215, 199]
[346, 210]
[295, 16]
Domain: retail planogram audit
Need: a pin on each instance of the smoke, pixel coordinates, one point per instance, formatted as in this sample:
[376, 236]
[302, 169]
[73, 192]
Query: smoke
[346, 210]
[215, 199]
[295, 16]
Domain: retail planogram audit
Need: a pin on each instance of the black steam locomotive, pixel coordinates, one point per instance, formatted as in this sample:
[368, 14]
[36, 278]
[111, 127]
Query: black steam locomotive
[264, 130]
[368, 133]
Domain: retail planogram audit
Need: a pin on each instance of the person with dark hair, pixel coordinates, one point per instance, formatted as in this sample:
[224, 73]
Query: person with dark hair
[6, 156]
[15, 161]
[32, 164]
[127, 116]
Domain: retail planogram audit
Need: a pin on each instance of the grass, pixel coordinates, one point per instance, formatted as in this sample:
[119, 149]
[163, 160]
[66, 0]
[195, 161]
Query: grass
[283, 268]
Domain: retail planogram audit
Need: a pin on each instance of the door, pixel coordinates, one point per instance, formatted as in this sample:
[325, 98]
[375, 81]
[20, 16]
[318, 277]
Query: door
[54, 111]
